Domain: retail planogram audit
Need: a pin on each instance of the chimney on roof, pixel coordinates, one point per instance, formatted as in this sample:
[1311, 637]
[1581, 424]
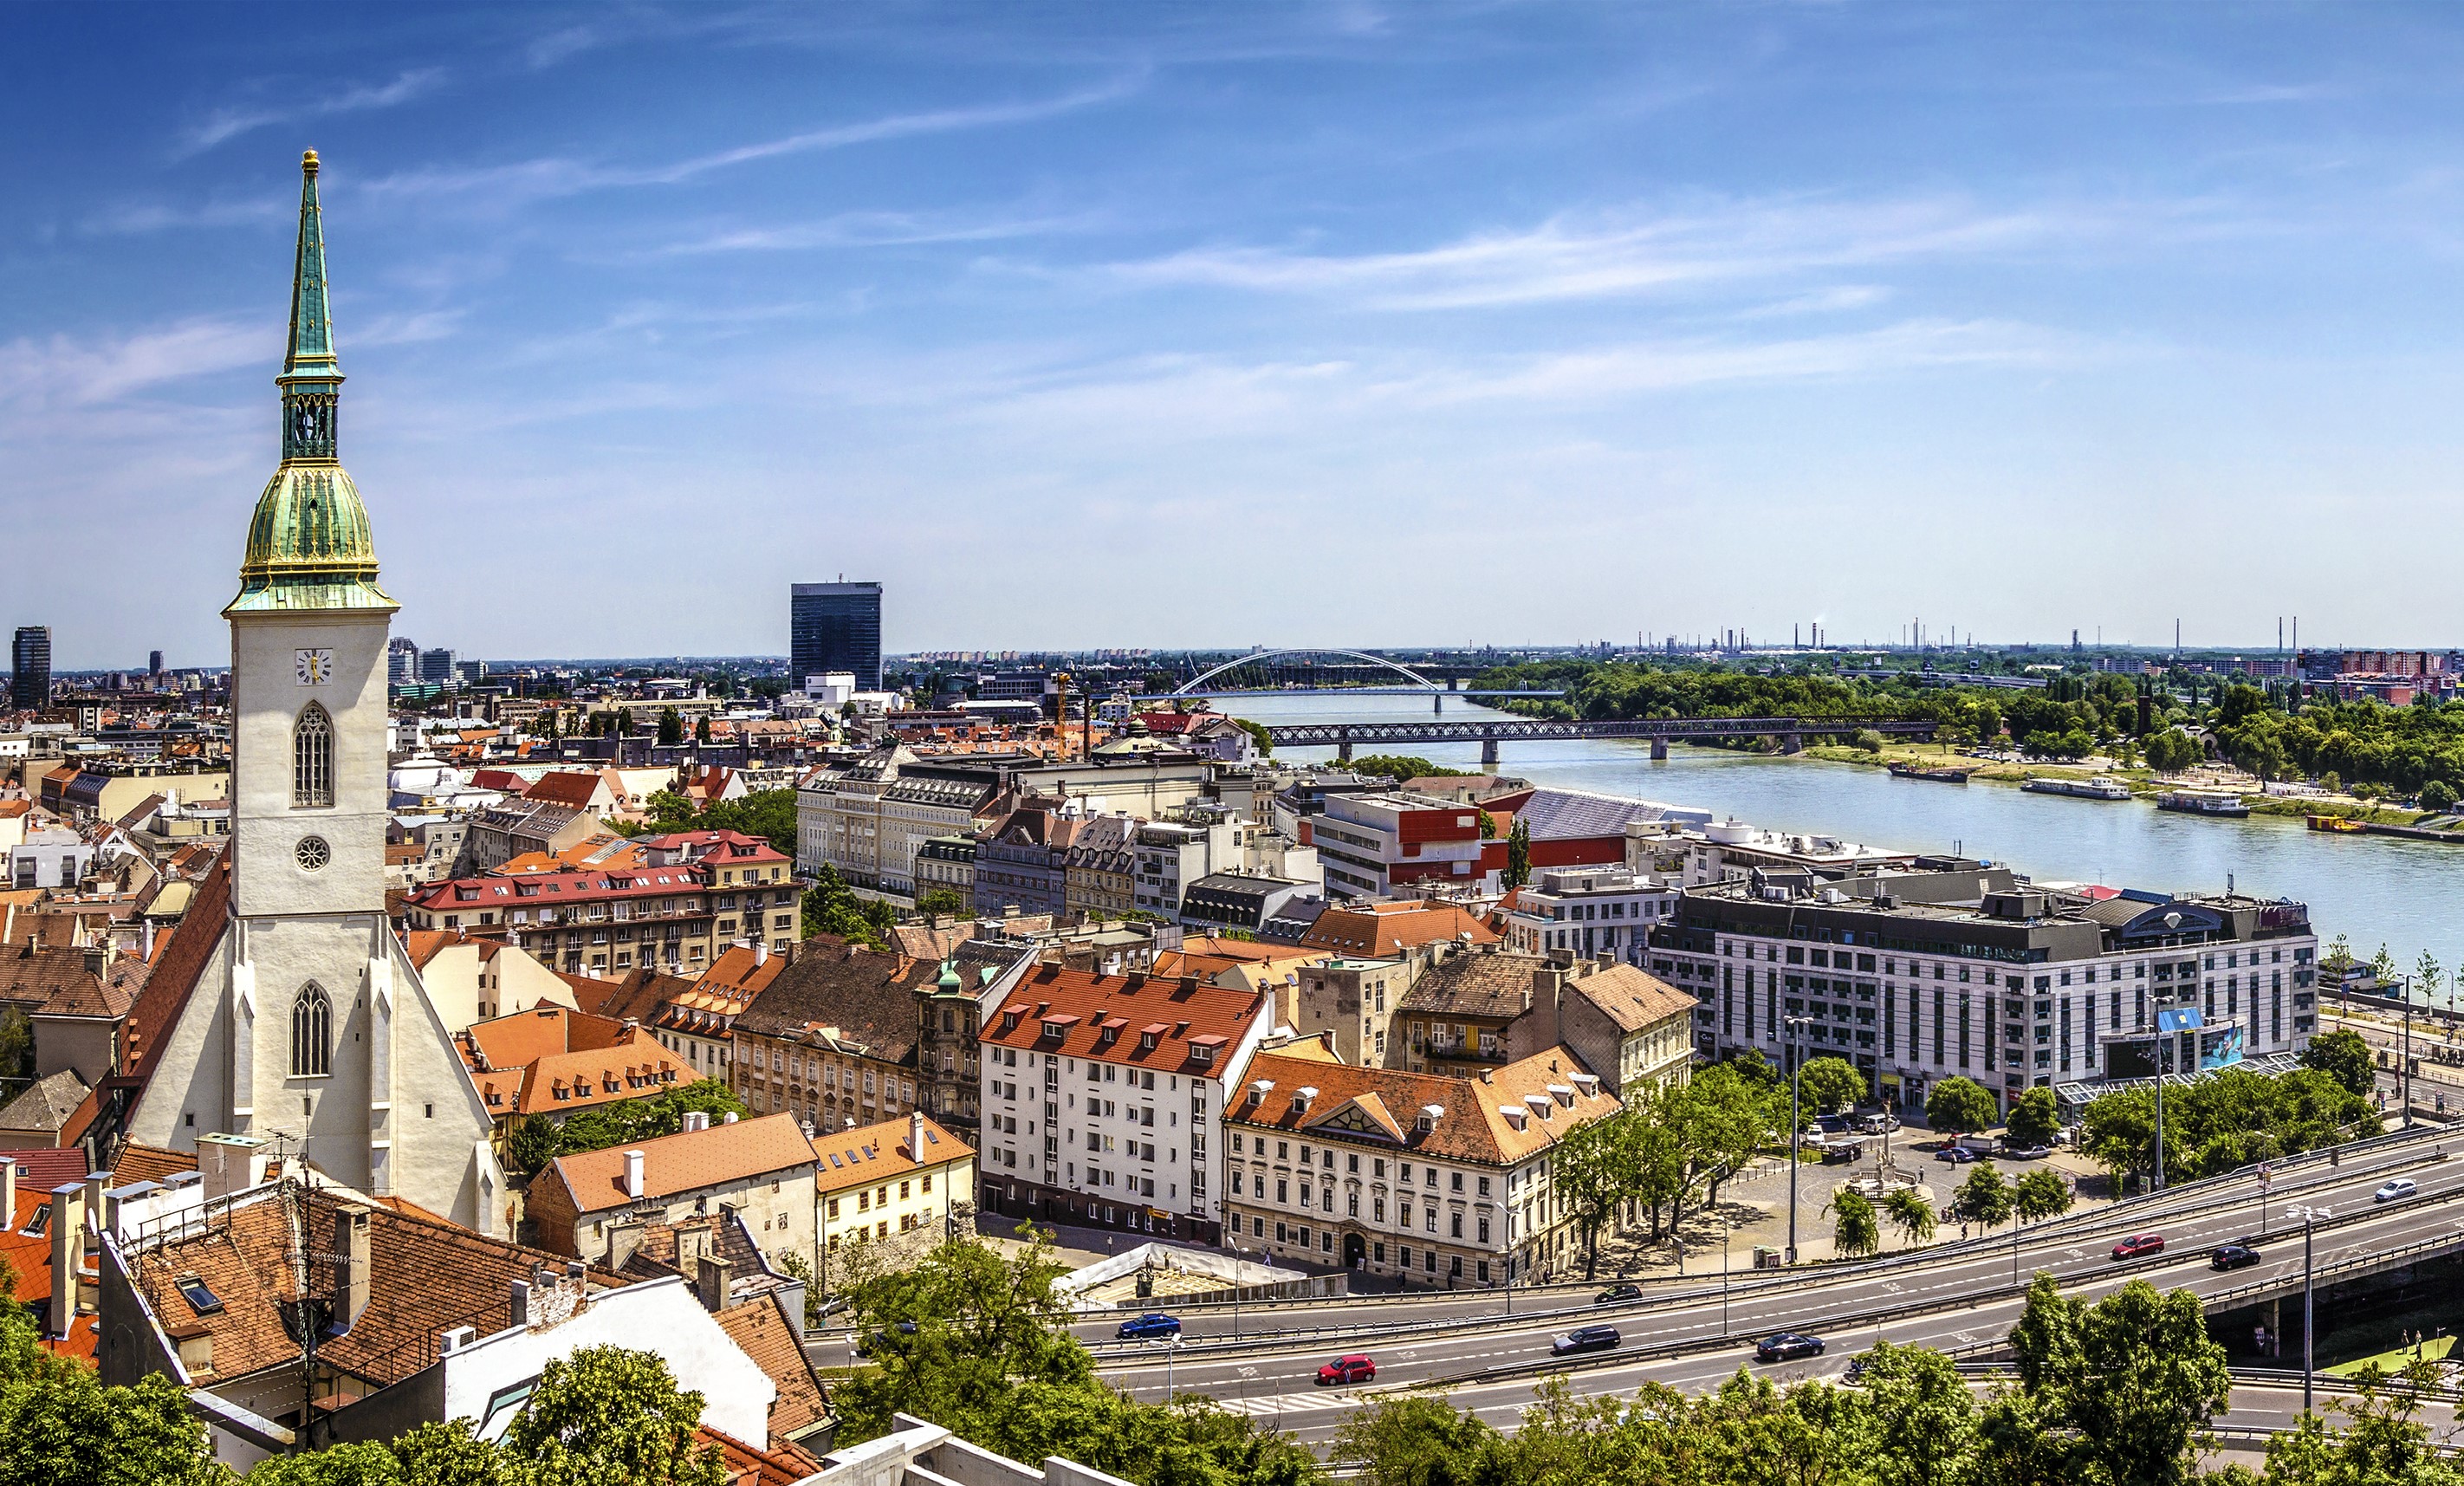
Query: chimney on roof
[760, 953]
[633, 1175]
[916, 1136]
[728, 1119]
[696, 1119]
[7, 1192]
[97, 1183]
[97, 958]
[519, 1302]
[710, 1281]
[352, 1271]
[66, 1250]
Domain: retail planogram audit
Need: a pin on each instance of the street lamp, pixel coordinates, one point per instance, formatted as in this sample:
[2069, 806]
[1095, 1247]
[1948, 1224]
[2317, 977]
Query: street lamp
[1171, 1347]
[1795, 1072]
[2307, 1216]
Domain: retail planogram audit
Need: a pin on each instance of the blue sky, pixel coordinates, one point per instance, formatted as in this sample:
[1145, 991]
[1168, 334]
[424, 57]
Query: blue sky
[1181, 324]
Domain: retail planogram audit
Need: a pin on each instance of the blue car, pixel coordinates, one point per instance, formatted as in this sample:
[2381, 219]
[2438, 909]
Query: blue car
[1147, 1327]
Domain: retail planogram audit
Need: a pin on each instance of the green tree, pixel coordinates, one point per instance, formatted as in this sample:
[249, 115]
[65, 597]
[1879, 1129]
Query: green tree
[2438, 797]
[2343, 1056]
[2127, 1385]
[532, 1144]
[1911, 1214]
[672, 727]
[1401, 767]
[1413, 1439]
[1855, 1234]
[1830, 1084]
[60, 1426]
[941, 902]
[2034, 1119]
[1259, 733]
[1920, 1418]
[831, 907]
[1595, 1175]
[701, 729]
[2040, 1194]
[2427, 976]
[17, 1051]
[953, 1335]
[1984, 1199]
[1959, 1105]
[607, 1413]
[627, 1121]
[1518, 853]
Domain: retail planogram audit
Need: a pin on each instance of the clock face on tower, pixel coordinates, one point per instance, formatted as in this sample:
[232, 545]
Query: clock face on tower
[313, 667]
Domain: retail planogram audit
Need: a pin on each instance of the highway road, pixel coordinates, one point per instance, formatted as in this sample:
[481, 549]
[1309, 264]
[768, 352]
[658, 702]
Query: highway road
[2302, 1179]
[1971, 1286]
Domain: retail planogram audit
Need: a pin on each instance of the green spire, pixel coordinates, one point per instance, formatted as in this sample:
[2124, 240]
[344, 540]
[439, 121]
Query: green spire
[309, 545]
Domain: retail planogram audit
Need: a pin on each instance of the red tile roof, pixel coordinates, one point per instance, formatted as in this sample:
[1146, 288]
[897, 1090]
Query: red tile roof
[1385, 930]
[685, 1161]
[1135, 1020]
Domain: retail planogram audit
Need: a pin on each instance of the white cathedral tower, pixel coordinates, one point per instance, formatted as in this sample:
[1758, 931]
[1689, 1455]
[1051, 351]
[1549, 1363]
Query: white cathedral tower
[308, 1026]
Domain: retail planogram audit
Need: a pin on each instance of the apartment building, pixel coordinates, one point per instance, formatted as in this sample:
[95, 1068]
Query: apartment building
[877, 1182]
[1589, 911]
[593, 1205]
[1373, 845]
[1104, 1096]
[833, 1039]
[694, 893]
[1437, 1181]
[1914, 976]
[1167, 857]
[1634, 1028]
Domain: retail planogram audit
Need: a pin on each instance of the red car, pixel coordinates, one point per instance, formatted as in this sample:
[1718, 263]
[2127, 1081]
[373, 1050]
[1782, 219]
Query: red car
[2134, 1247]
[1348, 1370]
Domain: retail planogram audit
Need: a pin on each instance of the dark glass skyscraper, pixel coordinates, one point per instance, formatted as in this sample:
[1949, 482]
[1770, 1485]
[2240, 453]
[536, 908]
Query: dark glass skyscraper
[29, 668]
[835, 627]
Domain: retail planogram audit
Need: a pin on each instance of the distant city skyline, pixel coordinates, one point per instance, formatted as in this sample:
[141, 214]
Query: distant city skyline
[1550, 324]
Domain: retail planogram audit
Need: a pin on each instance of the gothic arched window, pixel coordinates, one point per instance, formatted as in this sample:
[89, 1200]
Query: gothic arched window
[312, 1028]
[311, 758]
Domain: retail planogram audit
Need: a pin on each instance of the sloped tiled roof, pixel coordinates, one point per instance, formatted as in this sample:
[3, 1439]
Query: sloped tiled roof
[1385, 930]
[149, 1163]
[868, 995]
[867, 1153]
[762, 1331]
[1109, 1019]
[1565, 814]
[1484, 982]
[29, 1258]
[1631, 998]
[521, 1038]
[429, 1275]
[177, 964]
[1474, 1124]
[685, 1161]
[44, 1106]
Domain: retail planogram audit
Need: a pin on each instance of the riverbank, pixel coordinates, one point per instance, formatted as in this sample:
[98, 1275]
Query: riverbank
[2145, 784]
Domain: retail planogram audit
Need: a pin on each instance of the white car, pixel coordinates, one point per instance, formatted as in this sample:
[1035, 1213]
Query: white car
[2396, 1190]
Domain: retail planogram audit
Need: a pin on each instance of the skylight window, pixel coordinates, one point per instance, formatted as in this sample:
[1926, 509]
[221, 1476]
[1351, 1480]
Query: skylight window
[199, 1299]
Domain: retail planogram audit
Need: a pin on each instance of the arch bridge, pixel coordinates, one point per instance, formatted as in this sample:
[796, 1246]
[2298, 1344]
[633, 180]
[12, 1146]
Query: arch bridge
[1420, 683]
[1660, 732]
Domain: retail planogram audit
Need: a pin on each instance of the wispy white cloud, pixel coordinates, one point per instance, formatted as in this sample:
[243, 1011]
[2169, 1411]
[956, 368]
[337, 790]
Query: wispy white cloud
[135, 218]
[230, 122]
[78, 370]
[527, 180]
[1164, 398]
[877, 230]
[1571, 257]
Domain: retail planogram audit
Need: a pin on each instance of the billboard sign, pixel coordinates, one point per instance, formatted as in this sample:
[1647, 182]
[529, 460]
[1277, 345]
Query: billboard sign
[2179, 1019]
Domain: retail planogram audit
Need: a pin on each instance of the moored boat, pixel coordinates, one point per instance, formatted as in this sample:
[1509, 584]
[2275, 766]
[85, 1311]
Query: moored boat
[2336, 823]
[2225, 803]
[2081, 789]
[1948, 774]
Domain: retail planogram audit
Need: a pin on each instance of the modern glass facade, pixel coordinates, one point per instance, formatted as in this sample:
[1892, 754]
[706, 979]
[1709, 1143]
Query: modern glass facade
[29, 668]
[835, 627]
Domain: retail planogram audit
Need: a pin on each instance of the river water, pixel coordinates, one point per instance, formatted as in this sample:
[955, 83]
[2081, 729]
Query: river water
[2374, 890]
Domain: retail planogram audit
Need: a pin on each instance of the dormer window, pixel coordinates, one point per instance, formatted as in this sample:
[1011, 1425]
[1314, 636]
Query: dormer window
[1054, 1029]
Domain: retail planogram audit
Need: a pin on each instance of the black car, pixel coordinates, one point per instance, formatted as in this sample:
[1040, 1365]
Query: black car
[1585, 1339]
[2231, 1257]
[1787, 1346]
[1616, 1292]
